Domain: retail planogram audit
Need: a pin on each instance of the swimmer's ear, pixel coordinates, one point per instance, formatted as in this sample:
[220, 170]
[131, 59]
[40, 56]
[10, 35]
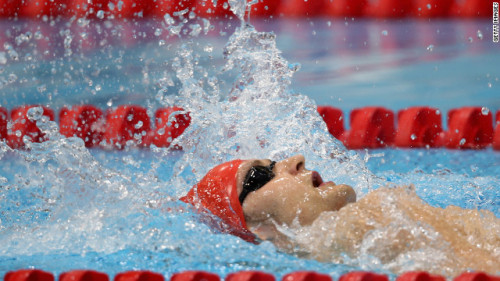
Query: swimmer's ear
[269, 232]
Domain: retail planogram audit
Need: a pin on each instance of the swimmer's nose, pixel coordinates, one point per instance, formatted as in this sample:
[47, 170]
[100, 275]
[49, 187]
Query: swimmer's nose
[292, 165]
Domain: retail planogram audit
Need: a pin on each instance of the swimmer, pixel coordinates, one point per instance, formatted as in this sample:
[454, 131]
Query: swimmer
[266, 200]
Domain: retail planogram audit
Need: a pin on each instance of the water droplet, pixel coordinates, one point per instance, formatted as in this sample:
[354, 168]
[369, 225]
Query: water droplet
[161, 131]
[110, 103]
[161, 43]
[35, 113]
[479, 35]
[130, 117]
[462, 141]
[385, 32]
[100, 14]
[413, 137]
[138, 125]
[98, 88]
[430, 48]
[208, 48]
[485, 111]
[18, 133]
[158, 32]
[429, 6]
[470, 40]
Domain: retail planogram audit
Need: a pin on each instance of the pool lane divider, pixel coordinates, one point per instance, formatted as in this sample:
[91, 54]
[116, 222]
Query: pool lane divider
[370, 127]
[105, 9]
[91, 275]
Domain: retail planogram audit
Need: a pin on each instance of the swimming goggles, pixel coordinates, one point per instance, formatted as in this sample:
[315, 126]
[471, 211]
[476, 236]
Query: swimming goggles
[256, 178]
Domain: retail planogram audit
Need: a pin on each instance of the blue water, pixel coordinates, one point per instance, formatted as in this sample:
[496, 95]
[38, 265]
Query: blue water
[117, 210]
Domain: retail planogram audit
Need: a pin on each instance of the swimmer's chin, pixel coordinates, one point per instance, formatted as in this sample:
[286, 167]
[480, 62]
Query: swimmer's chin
[341, 194]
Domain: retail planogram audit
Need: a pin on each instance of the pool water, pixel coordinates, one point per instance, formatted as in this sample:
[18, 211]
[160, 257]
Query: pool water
[66, 207]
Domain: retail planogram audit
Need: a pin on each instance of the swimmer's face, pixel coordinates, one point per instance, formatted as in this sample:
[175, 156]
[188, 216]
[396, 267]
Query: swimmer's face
[293, 193]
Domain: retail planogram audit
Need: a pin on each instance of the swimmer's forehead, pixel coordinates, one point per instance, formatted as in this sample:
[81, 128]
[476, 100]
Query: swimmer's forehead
[245, 167]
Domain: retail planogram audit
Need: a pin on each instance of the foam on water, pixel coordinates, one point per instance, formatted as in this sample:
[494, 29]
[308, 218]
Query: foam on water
[116, 211]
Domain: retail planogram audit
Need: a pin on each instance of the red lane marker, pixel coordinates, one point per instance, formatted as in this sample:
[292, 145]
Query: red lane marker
[83, 275]
[195, 276]
[206, 8]
[162, 7]
[3, 123]
[347, 8]
[418, 127]
[38, 8]
[170, 124]
[9, 8]
[29, 275]
[432, 8]
[473, 8]
[363, 276]
[476, 276]
[469, 127]
[85, 122]
[249, 276]
[265, 8]
[419, 276]
[306, 276]
[371, 127]
[334, 119]
[496, 137]
[22, 126]
[103, 9]
[127, 124]
[301, 8]
[389, 9]
[139, 276]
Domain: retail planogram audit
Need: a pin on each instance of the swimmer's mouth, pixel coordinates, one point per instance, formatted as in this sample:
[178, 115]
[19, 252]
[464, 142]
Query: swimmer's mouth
[317, 181]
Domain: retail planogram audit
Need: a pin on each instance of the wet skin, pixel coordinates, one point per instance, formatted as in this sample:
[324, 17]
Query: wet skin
[294, 195]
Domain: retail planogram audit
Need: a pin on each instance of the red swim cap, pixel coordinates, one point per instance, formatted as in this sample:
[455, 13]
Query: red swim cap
[217, 192]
